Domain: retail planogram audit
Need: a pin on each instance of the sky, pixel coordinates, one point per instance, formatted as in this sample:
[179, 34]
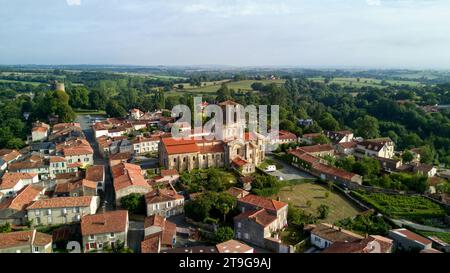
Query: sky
[301, 33]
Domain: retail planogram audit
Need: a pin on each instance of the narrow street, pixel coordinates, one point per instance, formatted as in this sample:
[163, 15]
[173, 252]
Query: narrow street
[108, 195]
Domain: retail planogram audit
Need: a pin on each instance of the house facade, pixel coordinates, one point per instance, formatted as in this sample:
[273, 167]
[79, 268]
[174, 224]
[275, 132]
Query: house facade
[165, 202]
[104, 229]
[61, 210]
[25, 242]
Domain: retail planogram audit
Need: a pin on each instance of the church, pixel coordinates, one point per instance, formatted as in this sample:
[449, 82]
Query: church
[243, 153]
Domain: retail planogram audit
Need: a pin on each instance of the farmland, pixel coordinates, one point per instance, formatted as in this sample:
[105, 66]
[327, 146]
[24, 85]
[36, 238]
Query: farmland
[361, 82]
[414, 208]
[212, 87]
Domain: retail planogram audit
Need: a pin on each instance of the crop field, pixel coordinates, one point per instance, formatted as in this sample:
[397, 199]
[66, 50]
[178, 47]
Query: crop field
[402, 206]
[365, 82]
[212, 87]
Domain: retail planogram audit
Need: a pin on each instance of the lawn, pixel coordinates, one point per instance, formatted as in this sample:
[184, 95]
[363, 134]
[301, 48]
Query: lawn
[22, 82]
[415, 208]
[299, 194]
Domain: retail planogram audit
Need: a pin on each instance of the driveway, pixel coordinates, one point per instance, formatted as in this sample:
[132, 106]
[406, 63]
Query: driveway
[288, 172]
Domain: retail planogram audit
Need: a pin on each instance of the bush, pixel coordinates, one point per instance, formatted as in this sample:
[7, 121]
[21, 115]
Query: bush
[323, 211]
[134, 203]
[223, 234]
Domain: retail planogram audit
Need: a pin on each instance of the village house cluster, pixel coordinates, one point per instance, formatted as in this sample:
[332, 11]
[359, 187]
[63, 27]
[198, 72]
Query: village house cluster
[64, 178]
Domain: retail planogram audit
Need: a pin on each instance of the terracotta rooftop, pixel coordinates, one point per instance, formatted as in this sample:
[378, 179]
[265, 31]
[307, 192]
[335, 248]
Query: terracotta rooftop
[9, 155]
[107, 222]
[24, 238]
[62, 202]
[411, 236]
[95, 173]
[334, 234]
[262, 202]
[316, 148]
[261, 217]
[168, 228]
[9, 180]
[125, 175]
[162, 195]
[54, 159]
[312, 135]
[366, 245]
[170, 172]
[233, 246]
[238, 161]
[23, 198]
[120, 156]
[236, 192]
[151, 243]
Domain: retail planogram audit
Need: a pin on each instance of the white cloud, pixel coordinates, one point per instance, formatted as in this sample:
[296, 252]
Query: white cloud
[239, 8]
[73, 2]
[373, 2]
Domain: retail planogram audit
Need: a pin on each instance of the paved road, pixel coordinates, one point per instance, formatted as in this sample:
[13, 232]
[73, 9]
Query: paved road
[402, 222]
[288, 172]
[108, 195]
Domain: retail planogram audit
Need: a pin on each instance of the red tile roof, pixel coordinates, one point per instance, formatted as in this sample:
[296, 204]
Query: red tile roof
[62, 202]
[168, 228]
[24, 238]
[9, 180]
[107, 222]
[126, 175]
[411, 236]
[23, 198]
[9, 155]
[239, 162]
[262, 202]
[233, 246]
[54, 159]
[317, 148]
[150, 244]
[366, 245]
[261, 217]
[162, 195]
[95, 173]
[170, 172]
[334, 234]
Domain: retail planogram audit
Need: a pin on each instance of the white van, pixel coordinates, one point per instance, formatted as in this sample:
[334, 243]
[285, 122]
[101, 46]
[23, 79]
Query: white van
[271, 168]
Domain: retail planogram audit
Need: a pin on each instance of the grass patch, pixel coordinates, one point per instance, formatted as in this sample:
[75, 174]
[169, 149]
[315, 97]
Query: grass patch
[212, 87]
[22, 82]
[365, 82]
[444, 236]
[300, 194]
[89, 112]
[268, 162]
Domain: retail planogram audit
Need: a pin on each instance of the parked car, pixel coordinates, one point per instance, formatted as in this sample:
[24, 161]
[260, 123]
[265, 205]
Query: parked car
[271, 168]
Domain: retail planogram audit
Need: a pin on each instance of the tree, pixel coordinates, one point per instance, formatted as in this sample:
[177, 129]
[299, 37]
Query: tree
[114, 109]
[223, 234]
[134, 203]
[323, 211]
[407, 156]
[320, 139]
[5, 228]
[367, 127]
[97, 99]
[118, 247]
[224, 93]
[257, 86]
[79, 97]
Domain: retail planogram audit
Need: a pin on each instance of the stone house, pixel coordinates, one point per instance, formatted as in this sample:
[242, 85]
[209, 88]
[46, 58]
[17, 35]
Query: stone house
[104, 229]
[159, 234]
[166, 202]
[127, 179]
[96, 173]
[61, 210]
[13, 209]
[260, 219]
[324, 235]
[82, 187]
[380, 147]
[11, 183]
[407, 240]
[29, 241]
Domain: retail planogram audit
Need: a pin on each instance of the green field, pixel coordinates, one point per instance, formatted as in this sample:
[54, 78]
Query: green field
[212, 87]
[89, 112]
[23, 82]
[364, 82]
[299, 194]
[444, 236]
[415, 208]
